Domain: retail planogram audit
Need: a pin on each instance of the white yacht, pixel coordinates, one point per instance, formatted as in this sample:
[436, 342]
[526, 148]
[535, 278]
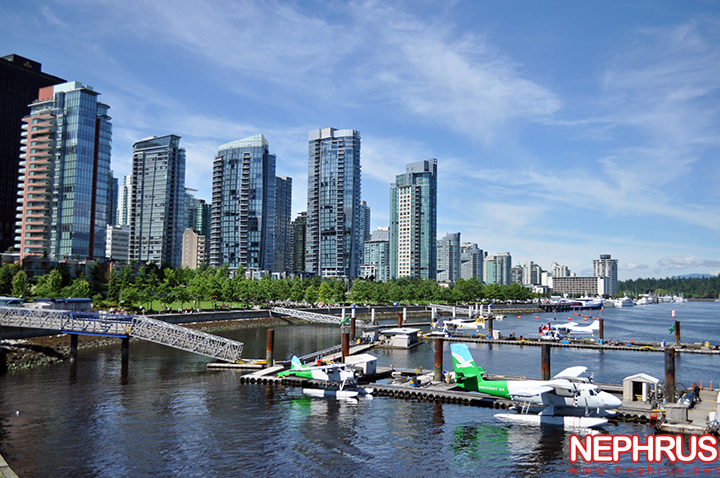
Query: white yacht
[624, 302]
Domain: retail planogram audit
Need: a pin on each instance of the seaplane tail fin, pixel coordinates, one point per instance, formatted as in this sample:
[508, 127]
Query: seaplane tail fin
[467, 374]
[595, 325]
[295, 363]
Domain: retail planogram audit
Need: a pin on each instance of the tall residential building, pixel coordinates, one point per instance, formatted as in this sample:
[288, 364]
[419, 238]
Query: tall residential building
[413, 221]
[498, 268]
[20, 80]
[283, 213]
[532, 273]
[117, 245]
[193, 249]
[448, 258]
[377, 256]
[112, 208]
[517, 274]
[559, 271]
[297, 242]
[471, 261]
[124, 199]
[607, 267]
[157, 205]
[334, 234]
[65, 168]
[242, 224]
[202, 218]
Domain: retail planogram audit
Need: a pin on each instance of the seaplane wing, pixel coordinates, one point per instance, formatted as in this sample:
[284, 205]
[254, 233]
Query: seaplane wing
[534, 394]
[572, 374]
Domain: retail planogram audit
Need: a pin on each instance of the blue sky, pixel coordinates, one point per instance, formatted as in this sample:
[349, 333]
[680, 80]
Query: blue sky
[563, 130]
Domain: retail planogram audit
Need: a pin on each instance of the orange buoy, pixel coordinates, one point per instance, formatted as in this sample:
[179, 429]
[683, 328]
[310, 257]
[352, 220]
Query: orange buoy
[519, 316]
[537, 317]
[569, 318]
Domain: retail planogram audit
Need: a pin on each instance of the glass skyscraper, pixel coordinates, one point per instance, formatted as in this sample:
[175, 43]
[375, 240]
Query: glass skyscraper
[242, 224]
[64, 175]
[335, 227]
[448, 254]
[157, 206]
[283, 212]
[413, 221]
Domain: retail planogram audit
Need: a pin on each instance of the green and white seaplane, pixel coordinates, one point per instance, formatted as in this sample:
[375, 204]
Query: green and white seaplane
[567, 400]
[337, 380]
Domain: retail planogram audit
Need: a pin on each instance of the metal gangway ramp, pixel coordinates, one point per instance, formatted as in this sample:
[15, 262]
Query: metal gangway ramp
[309, 316]
[146, 328]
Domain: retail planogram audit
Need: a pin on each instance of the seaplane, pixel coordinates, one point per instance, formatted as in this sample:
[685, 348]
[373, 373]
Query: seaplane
[342, 375]
[567, 400]
[571, 328]
[448, 326]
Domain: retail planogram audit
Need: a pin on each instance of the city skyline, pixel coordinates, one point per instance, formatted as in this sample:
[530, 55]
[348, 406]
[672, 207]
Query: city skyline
[562, 131]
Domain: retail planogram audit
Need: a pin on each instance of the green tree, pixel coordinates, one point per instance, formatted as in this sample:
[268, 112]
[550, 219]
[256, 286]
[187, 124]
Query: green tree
[311, 294]
[20, 285]
[297, 291]
[49, 285]
[325, 293]
[80, 288]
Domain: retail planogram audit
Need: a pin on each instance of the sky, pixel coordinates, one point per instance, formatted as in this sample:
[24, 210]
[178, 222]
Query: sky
[563, 130]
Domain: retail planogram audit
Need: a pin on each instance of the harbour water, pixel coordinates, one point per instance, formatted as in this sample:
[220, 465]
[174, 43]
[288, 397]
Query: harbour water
[165, 415]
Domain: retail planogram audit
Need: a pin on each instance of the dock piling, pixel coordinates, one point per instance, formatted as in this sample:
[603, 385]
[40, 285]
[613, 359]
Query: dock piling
[125, 347]
[602, 329]
[545, 361]
[438, 360]
[73, 346]
[399, 319]
[345, 345]
[352, 326]
[269, 349]
[677, 333]
[670, 375]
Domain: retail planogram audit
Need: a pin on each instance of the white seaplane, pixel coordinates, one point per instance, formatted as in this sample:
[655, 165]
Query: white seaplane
[568, 400]
[342, 375]
[550, 331]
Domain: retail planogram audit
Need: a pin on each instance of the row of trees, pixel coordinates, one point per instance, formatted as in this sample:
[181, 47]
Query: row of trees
[689, 287]
[147, 285]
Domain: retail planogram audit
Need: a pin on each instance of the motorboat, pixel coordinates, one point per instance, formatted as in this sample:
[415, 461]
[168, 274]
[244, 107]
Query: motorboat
[624, 302]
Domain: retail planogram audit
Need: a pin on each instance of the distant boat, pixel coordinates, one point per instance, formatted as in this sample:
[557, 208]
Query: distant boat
[587, 303]
[624, 302]
[648, 299]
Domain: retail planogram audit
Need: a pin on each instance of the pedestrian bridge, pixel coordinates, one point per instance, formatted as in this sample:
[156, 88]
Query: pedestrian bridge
[111, 325]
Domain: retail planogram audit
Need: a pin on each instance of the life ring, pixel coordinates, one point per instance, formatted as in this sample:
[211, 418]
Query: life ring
[632, 341]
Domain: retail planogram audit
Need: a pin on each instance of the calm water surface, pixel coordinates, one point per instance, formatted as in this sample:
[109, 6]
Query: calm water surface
[166, 415]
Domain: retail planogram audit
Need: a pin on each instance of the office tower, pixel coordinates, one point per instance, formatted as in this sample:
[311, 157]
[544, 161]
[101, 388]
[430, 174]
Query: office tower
[365, 221]
[377, 256]
[334, 234]
[193, 249]
[157, 205]
[242, 224]
[532, 273]
[65, 168]
[448, 258]
[607, 267]
[20, 80]
[471, 261]
[283, 213]
[297, 242]
[117, 245]
[498, 269]
[124, 198]
[413, 221]
[112, 208]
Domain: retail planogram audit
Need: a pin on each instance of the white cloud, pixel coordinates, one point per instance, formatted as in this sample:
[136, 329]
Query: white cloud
[688, 262]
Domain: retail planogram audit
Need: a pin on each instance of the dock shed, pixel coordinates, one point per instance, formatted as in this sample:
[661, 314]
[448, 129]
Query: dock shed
[637, 388]
[400, 337]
